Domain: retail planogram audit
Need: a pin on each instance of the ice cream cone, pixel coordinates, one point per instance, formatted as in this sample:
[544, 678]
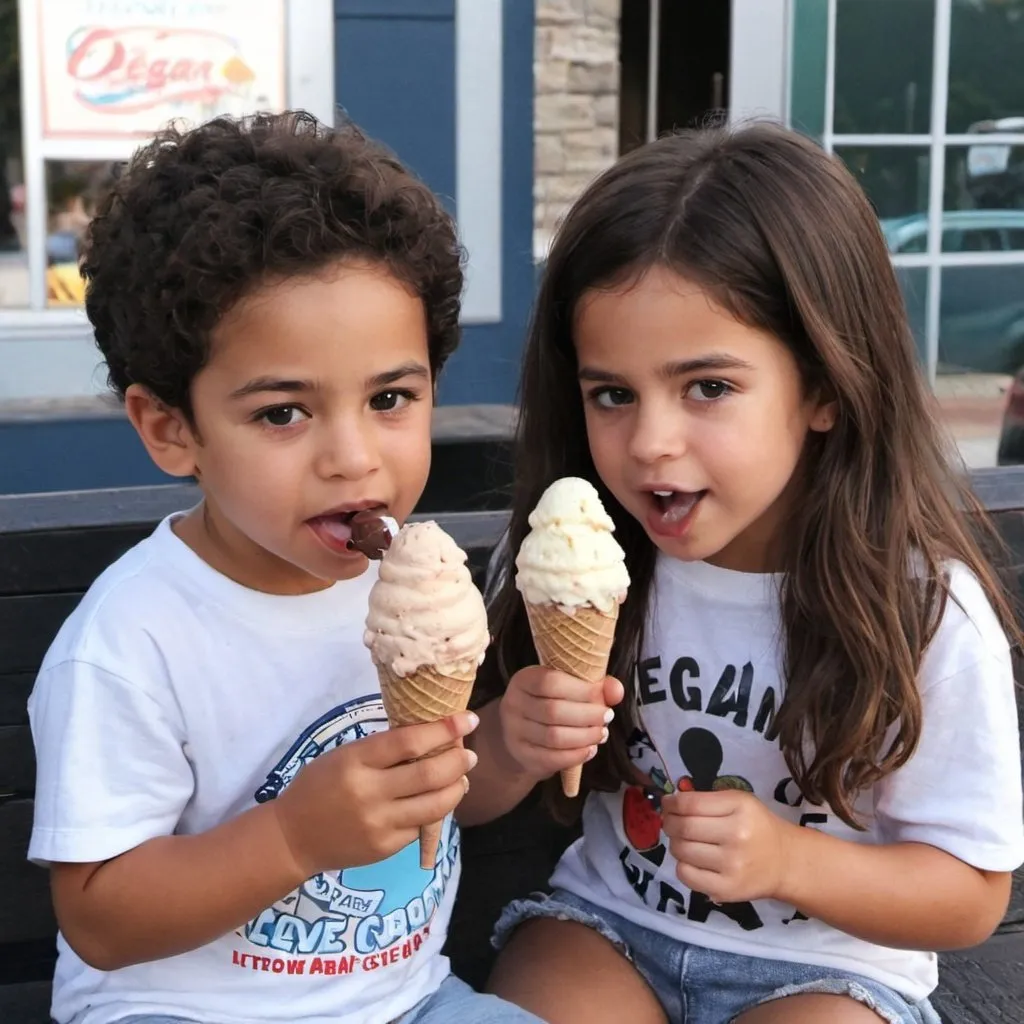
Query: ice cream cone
[424, 696]
[426, 629]
[578, 642]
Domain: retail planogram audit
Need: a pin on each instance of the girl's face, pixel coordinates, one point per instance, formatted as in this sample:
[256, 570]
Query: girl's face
[696, 422]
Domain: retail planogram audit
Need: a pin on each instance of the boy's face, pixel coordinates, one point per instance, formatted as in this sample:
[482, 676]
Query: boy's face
[315, 403]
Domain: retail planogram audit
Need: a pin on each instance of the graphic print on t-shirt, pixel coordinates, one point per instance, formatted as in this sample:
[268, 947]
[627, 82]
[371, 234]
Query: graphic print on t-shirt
[674, 752]
[701, 754]
[359, 919]
[641, 804]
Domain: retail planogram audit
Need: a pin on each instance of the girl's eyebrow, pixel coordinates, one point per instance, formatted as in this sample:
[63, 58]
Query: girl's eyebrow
[704, 364]
[410, 369]
[715, 361]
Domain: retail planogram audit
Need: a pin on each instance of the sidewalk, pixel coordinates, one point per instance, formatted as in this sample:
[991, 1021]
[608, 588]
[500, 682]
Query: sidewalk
[971, 406]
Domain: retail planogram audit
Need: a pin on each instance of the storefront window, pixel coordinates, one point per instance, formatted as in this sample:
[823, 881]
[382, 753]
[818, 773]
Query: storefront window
[73, 190]
[914, 285]
[981, 321]
[986, 69]
[883, 66]
[102, 79]
[894, 177]
[941, 156]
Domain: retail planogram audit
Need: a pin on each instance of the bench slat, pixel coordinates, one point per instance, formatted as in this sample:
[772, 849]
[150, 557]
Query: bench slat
[25, 1003]
[17, 761]
[28, 626]
[25, 911]
[14, 691]
[63, 560]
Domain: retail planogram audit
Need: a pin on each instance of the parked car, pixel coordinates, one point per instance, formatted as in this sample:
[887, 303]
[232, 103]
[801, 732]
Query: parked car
[981, 316]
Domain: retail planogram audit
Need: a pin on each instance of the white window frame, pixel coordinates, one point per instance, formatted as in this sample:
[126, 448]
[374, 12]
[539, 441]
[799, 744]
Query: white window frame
[933, 259]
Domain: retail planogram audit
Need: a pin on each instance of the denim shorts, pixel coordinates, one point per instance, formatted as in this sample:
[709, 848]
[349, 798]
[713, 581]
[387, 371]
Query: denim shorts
[706, 986]
[453, 1001]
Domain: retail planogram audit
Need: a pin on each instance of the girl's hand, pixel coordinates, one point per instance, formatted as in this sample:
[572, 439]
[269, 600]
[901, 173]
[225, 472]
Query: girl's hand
[727, 844]
[551, 721]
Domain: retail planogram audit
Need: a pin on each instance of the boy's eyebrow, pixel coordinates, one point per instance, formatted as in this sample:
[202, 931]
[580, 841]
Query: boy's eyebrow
[260, 384]
[411, 369]
[703, 364]
[381, 380]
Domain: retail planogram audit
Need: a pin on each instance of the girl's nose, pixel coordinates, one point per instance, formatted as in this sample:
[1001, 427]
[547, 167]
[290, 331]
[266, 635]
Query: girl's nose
[659, 432]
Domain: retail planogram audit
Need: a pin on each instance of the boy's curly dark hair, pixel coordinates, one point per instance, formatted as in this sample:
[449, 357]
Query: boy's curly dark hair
[200, 218]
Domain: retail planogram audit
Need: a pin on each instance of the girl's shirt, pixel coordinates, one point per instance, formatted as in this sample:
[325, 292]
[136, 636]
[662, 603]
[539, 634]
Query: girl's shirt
[708, 685]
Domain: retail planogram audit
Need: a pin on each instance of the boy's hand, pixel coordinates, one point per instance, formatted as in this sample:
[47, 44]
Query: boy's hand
[727, 844]
[366, 800]
[551, 721]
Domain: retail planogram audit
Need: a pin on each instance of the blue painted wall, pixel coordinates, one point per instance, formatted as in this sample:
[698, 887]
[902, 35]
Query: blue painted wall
[395, 75]
[70, 454]
[486, 367]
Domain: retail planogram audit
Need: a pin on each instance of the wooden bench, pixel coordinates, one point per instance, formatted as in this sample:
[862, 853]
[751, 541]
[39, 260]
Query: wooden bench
[53, 546]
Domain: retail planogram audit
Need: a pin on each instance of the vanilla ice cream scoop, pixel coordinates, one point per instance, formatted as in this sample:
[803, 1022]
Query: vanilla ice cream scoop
[425, 609]
[570, 558]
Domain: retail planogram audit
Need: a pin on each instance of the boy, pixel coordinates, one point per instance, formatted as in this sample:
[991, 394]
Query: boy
[229, 825]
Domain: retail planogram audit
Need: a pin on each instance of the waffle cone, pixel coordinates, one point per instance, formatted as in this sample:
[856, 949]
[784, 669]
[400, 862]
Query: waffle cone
[577, 643]
[425, 696]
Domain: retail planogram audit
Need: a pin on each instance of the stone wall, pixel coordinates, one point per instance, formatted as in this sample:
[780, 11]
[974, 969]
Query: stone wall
[576, 104]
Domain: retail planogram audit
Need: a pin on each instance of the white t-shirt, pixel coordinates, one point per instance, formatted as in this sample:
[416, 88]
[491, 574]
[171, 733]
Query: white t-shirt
[708, 685]
[172, 700]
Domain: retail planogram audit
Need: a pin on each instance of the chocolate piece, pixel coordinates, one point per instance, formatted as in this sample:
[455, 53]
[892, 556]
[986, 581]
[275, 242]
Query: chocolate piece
[372, 533]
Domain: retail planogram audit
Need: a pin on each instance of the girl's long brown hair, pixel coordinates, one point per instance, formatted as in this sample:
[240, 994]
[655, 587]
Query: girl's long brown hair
[783, 237]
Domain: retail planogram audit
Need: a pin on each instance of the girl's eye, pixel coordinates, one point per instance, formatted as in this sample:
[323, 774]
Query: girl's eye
[611, 398]
[391, 401]
[708, 390]
[283, 416]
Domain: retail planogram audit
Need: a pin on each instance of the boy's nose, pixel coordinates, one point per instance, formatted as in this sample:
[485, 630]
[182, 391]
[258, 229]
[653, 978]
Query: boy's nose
[349, 450]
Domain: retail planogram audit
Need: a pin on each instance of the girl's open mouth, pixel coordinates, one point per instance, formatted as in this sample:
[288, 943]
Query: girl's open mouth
[672, 512]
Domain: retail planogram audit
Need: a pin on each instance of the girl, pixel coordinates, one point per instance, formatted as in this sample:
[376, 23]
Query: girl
[814, 645]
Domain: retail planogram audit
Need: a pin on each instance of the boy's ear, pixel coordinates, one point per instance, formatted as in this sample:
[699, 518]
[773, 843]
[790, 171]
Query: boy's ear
[164, 431]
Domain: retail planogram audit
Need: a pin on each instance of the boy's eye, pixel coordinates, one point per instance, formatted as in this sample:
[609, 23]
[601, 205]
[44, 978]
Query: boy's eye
[390, 401]
[708, 390]
[283, 415]
[611, 398]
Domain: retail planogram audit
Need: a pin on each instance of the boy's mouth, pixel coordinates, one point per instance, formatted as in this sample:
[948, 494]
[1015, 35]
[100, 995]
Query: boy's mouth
[672, 512]
[334, 529]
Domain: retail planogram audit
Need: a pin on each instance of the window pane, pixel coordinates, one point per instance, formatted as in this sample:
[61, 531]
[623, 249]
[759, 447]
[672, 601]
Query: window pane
[981, 320]
[895, 179]
[984, 199]
[13, 259]
[808, 67]
[986, 72]
[73, 188]
[883, 66]
[914, 284]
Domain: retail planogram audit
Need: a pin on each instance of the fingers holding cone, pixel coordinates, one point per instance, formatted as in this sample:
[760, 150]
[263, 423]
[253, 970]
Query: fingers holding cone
[578, 642]
[425, 696]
